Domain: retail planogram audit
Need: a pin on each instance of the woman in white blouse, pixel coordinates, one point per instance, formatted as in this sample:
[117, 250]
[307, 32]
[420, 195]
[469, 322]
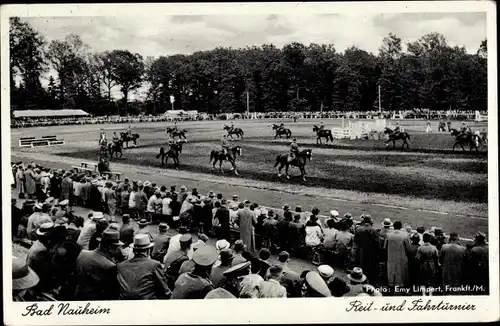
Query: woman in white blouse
[314, 234]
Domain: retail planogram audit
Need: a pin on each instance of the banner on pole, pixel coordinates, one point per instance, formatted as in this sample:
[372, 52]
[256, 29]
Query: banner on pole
[172, 99]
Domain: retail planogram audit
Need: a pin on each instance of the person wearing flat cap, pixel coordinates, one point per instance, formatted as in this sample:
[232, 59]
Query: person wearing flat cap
[173, 259]
[161, 242]
[272, 288]
[143, 223]
[23, 279]
[197, 284]
[39, 258]
[326, 272]
[225, 259]
[141, 278]
[314, 286]
[479, 263]
[188, 265]
[357, 279]
[233, 277]
[366, 242]
[96, 270]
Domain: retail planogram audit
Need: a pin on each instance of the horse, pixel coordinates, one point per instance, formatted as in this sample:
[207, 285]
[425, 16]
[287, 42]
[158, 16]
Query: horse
[233, 131]
[442, 126]
[393, 136]
[300, 162]
[322, 133]
[129, 137]
[219, 156]
[173, 152]
[115, 148]
[177, 133]
[468, 138]
[282, 131]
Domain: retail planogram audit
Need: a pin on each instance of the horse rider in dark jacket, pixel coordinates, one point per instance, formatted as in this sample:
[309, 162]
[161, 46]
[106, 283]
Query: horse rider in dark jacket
[397, 129]
[129, 131]
[115, 138]
[294, 150]
[171, 142]
[224, 143]
[465, 129]
[321, 126]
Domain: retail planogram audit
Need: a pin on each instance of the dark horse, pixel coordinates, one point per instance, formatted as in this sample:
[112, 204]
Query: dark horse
[173, 152]
[463, 139]
[219, 156]
[126, 138]
[115, 148]
[282, 131]
[322, 133]
[233, 131]
[300, 162]
[393, 136]
[181, 133]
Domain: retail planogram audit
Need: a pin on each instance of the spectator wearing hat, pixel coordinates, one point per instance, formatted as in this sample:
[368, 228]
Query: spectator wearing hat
[219, 293]
[246, 222]
[66, 187]
[206, 215]
[143, 229]
[88, 229]
[233, 278]
[174, 259]
[479, 264]
[326, 272]
[239, 248]
[397, 245]
[96, 270]
[154, 206]
[174, 243]
[222, 215]
[366, 244]
[226, 257]
[29, 182]
[141, 278]
[439, 238]
[101, 225]
[95, 199]
[39, 257]
[338, 287]
[452, 258]
[272, 288]
[413, 266]
[166, 210]
[125, 198]
[290, 279]
[161, 242]
[188, 265]
[40, 216]
[182, 195]
[269, 230]
[428, 258]
[110, 200]
[196, 284]
[23, 279]
[315, 286]
[330, 235]
[356, 279]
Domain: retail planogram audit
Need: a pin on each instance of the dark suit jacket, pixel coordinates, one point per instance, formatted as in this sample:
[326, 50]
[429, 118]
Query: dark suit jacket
[96, 277]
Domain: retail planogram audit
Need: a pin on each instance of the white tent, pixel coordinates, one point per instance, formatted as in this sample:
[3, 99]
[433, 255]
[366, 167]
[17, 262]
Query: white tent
[49, 113]
[174, 113]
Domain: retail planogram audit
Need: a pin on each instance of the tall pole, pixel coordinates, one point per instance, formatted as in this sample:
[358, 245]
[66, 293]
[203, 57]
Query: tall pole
[379, 105]
[248, 102]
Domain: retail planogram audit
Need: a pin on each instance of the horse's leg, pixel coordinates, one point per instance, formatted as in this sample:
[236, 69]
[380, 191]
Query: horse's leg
[234, 167]
[220, 167]
[454, 145]
[303, 173]
[286, 171]
[279, 169]
[393, 143]
[213, 166]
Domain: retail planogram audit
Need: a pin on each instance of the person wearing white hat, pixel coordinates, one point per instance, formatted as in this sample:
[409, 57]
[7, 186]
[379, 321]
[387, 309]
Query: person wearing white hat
[141, 278]
[39, 217]
[38, 257]
[326, 272]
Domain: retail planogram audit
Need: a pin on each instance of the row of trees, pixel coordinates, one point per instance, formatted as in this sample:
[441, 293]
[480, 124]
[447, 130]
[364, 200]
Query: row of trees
[429, 74]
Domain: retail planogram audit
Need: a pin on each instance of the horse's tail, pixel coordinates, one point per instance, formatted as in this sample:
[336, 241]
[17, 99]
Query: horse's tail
[277, 160]
[162, 152]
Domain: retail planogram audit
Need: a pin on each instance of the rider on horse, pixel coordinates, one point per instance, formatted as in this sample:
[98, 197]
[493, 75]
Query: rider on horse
[102, 138]
[465, 129]
[115, 138]
[281, 126]
[321, 125]
[397, 129]
[129, 131]
[224, 143]
[232, 125]
[294, 150]
[171, 142]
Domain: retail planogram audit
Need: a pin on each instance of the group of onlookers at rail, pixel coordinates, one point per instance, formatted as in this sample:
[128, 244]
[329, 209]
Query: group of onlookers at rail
[116, 251]
[337, 114]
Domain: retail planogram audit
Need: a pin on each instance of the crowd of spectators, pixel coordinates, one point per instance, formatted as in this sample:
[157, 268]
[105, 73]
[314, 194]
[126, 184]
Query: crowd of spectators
[116, 252]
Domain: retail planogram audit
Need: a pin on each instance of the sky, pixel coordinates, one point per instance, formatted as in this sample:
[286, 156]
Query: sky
[167, 35]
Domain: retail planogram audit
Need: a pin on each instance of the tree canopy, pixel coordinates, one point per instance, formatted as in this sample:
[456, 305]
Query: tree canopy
[429, 74]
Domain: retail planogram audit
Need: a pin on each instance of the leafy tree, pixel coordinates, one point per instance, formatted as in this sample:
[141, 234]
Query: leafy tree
[128, 72]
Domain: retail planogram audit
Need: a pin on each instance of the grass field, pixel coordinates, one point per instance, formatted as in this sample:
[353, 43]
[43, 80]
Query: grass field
[428, 170]
[428, 185]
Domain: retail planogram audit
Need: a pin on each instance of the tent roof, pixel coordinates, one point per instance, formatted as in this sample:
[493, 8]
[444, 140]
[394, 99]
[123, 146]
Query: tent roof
[48, 113]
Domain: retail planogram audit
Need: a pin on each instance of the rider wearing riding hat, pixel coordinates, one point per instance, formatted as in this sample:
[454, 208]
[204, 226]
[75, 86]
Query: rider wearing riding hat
[232, 125]
[224, 143]
[397, 128]
[294, 150]
[281, 126]
[115, 137]
[102, 138]
[129, 130]
[321, 125]
[465, 129]
[171, 142]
